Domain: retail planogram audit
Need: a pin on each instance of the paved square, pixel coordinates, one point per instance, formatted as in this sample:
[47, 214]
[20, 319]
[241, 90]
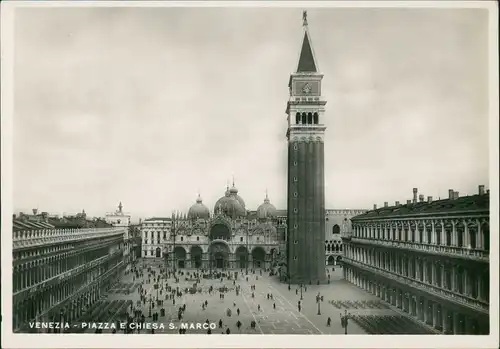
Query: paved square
[284, 318]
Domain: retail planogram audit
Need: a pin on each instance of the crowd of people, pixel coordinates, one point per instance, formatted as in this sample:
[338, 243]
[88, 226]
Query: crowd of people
[159, 286]
[166, 283]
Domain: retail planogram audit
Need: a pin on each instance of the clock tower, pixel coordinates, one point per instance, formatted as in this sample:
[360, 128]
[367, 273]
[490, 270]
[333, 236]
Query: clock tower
[306, 170]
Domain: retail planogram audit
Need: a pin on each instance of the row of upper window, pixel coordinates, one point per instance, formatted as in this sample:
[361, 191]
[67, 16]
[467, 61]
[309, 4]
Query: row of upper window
[146, 241]
[39, 251]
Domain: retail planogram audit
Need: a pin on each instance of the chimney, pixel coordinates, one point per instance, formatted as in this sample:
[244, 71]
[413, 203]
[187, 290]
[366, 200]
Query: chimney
[35, 211]
[415, 191]
[397, 203]
[14, 216]
[429, 199]
[386, 204]
[421, 198]
[408, 202]
[455, 195]
[450, 194]
[481, 190]
[374, 206]
[488, 192]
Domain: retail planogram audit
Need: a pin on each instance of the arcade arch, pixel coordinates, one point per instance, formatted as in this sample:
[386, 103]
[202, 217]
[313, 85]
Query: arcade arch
[241, 257]
[219, 255]
[180, 256]
[258, 257]
[196, 256]
[331, 260]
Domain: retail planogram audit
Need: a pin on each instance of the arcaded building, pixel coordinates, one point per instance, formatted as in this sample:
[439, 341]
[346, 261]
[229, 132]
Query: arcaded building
[58, 273]
[428, 258]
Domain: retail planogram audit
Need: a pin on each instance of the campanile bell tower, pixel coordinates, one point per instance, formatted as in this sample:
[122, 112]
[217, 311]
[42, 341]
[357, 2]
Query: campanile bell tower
[306, 170]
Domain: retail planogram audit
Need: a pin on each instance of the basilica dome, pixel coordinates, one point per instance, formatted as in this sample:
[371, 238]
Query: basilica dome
[230, 205]
[266, 210]
[198, 210]
[234, 192]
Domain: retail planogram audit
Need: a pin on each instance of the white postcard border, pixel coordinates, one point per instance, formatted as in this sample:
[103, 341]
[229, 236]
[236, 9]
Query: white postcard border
[10, 340]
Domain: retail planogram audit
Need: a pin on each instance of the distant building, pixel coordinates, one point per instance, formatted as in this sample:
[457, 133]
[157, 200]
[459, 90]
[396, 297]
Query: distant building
[154, 234]
[337, 222]
[122, 219]
[428, 258]
[35, 221]
[136, 241]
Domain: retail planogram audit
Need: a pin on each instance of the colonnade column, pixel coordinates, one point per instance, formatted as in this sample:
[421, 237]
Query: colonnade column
[434, 314]
[455, 323]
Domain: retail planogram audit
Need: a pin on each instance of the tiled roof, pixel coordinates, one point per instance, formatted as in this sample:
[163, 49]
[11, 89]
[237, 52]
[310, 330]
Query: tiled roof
[18, 225]
[158, 219]
[462, 204]
[306, 60]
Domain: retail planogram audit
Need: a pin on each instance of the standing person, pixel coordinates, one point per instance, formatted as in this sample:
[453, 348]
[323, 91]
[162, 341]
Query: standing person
[274, 306]
[328, 322]
[220, 323]
[238, 324]
[238, 311]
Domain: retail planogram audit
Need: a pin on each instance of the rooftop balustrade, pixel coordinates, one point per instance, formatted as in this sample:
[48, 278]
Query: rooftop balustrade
[34, 238]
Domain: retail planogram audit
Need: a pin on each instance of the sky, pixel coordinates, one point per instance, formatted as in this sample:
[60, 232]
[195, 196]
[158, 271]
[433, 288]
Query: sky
[151, 106]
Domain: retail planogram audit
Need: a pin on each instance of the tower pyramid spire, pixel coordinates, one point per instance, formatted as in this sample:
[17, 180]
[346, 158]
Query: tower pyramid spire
[307, 62]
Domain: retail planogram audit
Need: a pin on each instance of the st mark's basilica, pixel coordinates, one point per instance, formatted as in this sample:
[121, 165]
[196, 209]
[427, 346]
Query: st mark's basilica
[231, 237]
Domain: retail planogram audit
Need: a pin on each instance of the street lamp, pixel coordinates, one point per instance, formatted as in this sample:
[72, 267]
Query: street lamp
[318, 300]
[344, 321]
[210, 261]
[301, 297]
[174, 232]
[150, 301]
[61, 316]
[248, 254]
